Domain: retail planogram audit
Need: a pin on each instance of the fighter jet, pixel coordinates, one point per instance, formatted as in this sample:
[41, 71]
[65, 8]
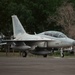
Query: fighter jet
[26, 42]
[1, 37]
[61, 40]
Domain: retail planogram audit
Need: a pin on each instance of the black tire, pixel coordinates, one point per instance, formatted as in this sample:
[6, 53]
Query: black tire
[45, 55]
[24, 54]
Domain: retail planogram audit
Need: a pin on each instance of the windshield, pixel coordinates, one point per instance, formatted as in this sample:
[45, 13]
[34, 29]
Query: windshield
[61, 35]
[56, 34]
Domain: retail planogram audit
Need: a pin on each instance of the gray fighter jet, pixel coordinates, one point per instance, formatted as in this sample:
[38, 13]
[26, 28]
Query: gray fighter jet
[27, 42]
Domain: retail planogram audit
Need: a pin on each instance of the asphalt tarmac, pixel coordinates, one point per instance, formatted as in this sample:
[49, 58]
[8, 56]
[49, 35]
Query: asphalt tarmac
[37, 66]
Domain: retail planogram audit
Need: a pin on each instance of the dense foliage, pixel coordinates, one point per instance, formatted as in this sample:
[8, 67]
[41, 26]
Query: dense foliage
[33, 14]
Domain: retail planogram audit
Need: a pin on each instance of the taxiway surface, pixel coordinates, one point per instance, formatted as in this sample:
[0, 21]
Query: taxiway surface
[37, 66]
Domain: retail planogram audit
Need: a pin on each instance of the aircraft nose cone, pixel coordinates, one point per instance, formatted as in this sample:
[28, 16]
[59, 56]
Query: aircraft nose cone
[74, 43]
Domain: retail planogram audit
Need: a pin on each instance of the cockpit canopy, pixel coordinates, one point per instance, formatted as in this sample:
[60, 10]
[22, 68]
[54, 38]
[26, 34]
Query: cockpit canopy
[56, 34]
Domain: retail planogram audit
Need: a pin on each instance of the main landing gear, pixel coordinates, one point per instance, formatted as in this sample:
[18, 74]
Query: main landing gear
[24, 54]
[45, 55]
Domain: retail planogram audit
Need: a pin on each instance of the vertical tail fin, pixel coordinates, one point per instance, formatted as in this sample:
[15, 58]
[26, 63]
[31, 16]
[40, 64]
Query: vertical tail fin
[17, 26]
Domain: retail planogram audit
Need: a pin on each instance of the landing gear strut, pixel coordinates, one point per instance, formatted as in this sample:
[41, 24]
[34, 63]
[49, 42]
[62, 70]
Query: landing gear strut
[62, 53]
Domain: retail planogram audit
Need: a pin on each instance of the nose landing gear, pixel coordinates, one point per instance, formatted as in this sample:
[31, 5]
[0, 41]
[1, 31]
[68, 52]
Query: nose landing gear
[62, 52]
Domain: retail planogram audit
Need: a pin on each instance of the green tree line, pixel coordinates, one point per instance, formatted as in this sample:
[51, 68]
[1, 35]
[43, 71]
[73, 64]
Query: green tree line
[35, 15]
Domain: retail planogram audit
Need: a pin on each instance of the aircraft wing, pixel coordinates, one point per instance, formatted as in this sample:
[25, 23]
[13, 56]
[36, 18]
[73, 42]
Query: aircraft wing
[3, 43]
[28, 40]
